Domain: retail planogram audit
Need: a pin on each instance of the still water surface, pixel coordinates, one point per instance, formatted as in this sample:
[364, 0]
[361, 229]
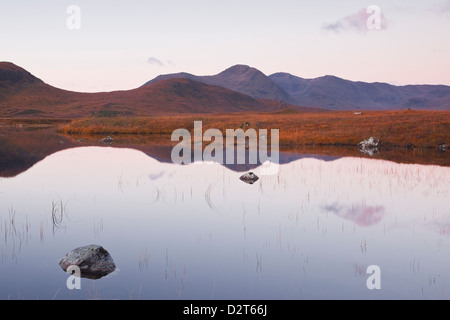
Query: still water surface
[197, 232]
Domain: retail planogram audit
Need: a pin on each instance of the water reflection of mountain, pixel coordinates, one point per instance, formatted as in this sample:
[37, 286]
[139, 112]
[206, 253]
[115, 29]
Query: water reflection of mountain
[22, 147]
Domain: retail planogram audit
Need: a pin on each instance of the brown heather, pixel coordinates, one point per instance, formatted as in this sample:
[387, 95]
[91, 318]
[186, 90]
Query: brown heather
[424, 129]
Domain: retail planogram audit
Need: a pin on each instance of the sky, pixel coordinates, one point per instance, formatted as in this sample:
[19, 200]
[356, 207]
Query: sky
[93, 46]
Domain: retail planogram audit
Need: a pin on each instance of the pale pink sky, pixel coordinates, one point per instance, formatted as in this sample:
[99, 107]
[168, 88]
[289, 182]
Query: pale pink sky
[123, 44]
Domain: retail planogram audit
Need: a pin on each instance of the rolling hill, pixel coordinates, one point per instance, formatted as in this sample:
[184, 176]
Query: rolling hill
[24, 95]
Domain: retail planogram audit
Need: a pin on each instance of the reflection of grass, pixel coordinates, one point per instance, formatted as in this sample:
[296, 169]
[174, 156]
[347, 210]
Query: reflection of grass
[41, 231]
[14, 233]
[425, 129]
[164, 196]
[58, 213]
[120, 183]
[208, 196]
[12, 220]
[143, 260]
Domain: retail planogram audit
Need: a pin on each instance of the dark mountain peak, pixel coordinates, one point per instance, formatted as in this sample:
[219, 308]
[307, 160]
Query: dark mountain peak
[241, 73]
[175, 75]
[330, 78]
[161, 77]
[284, 75]
[10, 74]
[250, 81]
[6, 65]
[239, 69]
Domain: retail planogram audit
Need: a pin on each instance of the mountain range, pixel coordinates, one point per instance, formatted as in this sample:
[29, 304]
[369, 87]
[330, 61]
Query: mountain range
[238, 88]
[328, 92]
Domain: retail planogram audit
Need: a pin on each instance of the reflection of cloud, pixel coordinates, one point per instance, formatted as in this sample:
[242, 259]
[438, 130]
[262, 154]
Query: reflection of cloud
[154, 61]
[355, 22]
[362, 215]
[156, 176]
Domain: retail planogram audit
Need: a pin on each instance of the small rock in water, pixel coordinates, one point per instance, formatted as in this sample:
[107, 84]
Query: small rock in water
[442, 147]
[107, 140]
[93, 260]
[249, 178]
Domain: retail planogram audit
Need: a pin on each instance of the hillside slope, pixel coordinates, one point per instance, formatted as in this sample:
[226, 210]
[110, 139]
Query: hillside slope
[24, 95]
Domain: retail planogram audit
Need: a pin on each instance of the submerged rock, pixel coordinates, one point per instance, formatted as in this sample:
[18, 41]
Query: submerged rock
[249, 178]
[369, 146]
[93, 260]
[442, 147]
[107, 140]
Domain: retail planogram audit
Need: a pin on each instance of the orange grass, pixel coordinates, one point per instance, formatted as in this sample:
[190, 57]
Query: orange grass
[424, 129]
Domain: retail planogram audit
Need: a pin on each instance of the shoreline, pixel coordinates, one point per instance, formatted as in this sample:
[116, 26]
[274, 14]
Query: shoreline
[394, 129]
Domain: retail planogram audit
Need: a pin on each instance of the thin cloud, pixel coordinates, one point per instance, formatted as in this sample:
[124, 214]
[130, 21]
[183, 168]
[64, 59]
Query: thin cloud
[358, 22]
[442, 8]
[154, 61]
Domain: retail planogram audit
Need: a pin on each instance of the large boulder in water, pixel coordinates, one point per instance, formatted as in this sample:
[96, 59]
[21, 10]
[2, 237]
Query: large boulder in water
[93, 260]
